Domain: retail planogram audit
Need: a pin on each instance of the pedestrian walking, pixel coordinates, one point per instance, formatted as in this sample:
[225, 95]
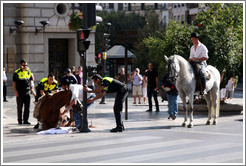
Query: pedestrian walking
[22, 80]
[172, 96]
[136, 80]
[108, 84]
[152, 87]
[4, 85]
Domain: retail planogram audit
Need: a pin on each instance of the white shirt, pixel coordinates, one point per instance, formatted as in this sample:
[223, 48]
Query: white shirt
[77, 92]
[200, 52]
[4, 76]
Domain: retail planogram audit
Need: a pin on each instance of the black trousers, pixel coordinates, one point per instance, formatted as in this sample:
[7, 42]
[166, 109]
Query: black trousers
[151, 92]
[4, 91]
[23, 99]
[118, 105]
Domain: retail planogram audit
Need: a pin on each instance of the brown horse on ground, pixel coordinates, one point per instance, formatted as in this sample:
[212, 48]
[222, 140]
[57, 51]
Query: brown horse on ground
[50, 108]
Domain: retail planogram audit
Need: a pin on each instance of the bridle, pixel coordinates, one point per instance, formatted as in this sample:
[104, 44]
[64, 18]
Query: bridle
[172, 70]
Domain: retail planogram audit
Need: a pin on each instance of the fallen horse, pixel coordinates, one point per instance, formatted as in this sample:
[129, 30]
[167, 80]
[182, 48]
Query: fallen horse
[49, 112]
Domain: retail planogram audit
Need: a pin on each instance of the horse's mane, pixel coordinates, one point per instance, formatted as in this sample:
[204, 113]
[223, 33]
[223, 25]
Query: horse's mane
[183, 61]
[180, 58]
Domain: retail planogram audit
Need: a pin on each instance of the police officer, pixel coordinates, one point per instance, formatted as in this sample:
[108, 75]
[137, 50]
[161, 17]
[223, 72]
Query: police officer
[68, 76]
[46, 85]
[108, 84]
[22, 79]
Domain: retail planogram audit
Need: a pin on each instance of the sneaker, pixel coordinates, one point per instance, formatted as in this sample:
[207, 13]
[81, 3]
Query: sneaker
[5, 100]
[117, 129]
[139, 103]
[149, 110]
[134, 103]
[173, 117]
[157, 111]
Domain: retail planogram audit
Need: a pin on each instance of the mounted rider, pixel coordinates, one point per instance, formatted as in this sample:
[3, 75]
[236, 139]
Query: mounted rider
[198, 57]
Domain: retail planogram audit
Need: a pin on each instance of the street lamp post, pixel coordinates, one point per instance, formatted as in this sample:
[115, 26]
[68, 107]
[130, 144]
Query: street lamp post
[105, 45]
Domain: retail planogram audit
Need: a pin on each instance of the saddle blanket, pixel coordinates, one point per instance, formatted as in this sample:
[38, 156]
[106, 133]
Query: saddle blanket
[61, 130]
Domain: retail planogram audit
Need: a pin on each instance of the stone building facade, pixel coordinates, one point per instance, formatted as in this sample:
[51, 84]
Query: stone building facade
[49, 50]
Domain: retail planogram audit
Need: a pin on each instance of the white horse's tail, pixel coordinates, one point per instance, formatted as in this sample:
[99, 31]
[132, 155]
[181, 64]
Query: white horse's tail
[218, 103]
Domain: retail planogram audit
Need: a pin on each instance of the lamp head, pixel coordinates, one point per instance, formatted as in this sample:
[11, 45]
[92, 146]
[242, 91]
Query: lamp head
[44, 23]
[18, 23]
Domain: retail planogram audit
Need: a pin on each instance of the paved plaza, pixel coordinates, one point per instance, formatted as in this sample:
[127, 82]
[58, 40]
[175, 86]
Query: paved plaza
[148, 138]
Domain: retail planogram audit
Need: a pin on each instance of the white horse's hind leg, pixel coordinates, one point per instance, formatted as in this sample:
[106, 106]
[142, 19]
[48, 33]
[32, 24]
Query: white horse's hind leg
[207, 98]
[190, 108]
[215, 105]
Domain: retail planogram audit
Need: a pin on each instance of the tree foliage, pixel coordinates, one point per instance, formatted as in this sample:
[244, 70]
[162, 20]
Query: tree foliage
[119, 21]
[220, 29]
[172, 40]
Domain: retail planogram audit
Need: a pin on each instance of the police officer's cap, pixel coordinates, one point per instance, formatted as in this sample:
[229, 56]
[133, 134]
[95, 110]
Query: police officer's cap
[67, 70]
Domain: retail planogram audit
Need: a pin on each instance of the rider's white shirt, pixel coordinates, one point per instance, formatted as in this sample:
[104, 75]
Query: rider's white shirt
[200, 52]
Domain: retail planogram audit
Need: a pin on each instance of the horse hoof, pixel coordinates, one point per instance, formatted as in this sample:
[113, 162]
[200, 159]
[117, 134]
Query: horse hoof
[184, 125]
[208, 123]
[190, 126]
[214, 123]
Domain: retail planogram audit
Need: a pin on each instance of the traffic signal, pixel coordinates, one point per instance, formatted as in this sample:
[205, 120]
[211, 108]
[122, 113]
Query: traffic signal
[98, 58]
[106, 41]
[82, 43]
[89, 14]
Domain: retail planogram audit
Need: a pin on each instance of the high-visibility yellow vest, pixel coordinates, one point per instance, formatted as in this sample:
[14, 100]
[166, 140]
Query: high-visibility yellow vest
[47, 86]
[108, 79]
[23, 75]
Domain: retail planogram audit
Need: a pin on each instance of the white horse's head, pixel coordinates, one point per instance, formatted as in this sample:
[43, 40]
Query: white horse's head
[173, 67]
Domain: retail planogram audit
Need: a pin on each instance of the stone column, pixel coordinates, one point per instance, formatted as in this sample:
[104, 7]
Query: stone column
[22, 42]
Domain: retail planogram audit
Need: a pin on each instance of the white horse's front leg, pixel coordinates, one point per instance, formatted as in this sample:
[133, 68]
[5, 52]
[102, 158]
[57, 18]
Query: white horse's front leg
[182, 97]
[184, 124]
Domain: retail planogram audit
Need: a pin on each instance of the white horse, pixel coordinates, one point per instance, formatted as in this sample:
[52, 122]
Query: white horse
[182, 71]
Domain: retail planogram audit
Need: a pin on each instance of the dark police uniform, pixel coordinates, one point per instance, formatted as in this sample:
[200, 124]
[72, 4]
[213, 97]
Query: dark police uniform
[114, 85]
[22, 80]
[46, 87]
